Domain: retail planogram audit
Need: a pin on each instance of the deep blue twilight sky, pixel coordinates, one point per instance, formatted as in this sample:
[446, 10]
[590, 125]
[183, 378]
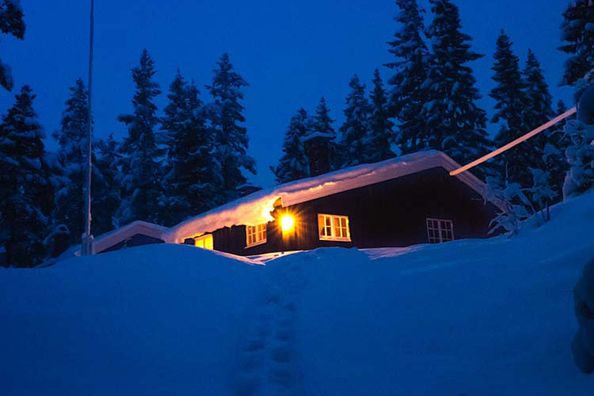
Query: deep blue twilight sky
[291, 52]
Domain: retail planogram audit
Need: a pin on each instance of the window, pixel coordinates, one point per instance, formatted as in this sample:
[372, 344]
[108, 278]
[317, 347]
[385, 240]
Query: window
[333, 228]
[439, 230]
[204, 242]
[255, 235]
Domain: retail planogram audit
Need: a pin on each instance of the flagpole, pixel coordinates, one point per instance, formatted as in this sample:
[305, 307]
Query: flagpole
[87, 238]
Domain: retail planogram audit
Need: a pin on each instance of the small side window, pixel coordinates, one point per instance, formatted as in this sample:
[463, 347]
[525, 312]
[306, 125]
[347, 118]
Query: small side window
[204, 242]
[333, 228]
[440, 230]
[255, 235]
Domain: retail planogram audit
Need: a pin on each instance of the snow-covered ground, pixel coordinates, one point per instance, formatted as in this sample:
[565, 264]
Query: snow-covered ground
[490, 317]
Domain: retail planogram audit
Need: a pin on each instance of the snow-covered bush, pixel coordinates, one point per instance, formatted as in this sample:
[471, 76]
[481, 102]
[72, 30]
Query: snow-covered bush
[515, 206]
[541, 193]
[583, 342]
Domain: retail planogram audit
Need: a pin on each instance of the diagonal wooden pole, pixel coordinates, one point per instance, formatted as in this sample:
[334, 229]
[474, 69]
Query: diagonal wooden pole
[514, 143]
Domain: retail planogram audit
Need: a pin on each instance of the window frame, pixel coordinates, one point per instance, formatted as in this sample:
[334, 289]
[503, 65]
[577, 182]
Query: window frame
[336, 222]
[259, 233]
[204, 238]
[438, 230]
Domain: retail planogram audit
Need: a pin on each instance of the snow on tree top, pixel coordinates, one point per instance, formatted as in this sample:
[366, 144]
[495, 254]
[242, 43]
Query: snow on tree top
[256, 208]
[317, 135]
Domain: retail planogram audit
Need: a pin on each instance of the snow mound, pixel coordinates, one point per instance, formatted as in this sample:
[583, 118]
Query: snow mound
[473, 317]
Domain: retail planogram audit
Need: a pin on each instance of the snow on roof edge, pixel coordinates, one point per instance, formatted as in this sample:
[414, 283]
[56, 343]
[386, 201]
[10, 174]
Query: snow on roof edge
[113, 237]
[256, 208]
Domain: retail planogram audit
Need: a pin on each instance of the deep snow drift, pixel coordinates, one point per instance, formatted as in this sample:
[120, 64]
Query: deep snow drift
[491, 317]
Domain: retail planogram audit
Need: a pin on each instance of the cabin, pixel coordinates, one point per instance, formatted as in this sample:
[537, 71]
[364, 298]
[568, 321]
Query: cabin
[400, 202]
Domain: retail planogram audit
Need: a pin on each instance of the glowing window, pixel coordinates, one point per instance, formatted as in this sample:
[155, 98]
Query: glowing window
[439, 230]
[255, 235]
[204, 242]
[333, 228]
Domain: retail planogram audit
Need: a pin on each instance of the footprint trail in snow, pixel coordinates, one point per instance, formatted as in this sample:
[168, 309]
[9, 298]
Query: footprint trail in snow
[269, 359]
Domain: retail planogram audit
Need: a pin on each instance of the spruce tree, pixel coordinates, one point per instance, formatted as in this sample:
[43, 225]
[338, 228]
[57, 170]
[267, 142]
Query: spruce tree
[545, 151]
[193, 173]
[511, 103]
[293, 164]
[227, 122]
[71, 140]
[554, 153]
[356, 126]
[26, 198]
[540, 100]
[578, 37]
[580, 131]
[406, 96]
[141, 166]
[321, 149]
[454, 122]
[12, 23]
[322, 122]
[106, 187]
[381, 134]
[105, 190]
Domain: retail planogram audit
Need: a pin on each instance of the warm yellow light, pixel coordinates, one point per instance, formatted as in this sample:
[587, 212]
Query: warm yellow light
[287, 223]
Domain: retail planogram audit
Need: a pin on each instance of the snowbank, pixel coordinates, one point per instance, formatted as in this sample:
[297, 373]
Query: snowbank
[474, 317]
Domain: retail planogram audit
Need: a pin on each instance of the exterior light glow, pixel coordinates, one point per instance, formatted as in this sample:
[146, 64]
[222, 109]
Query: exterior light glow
[287, 223]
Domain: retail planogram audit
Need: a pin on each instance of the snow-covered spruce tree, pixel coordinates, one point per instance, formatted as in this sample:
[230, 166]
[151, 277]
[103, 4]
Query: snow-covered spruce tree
[583, 342]
[71, 138]
[580, 153]
[554, 153]
[106, 187]
[226, 118]
[293, 164]
[141, 168]
[511, 103]
[406, 96]
[11, 22]
[355, 129]
[26, 196]
[540, 100]
[454, 122]
[381, 134]
[193, 174]
[320, 146]
[578, 37]
[545, 151]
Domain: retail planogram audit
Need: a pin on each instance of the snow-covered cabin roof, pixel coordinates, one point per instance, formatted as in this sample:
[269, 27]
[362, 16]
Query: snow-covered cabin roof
[112, 238]
[256, 208]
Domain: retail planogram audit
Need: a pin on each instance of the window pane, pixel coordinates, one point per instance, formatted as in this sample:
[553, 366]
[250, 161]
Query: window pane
[332, 227]
[440, 230]
[336, 226]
